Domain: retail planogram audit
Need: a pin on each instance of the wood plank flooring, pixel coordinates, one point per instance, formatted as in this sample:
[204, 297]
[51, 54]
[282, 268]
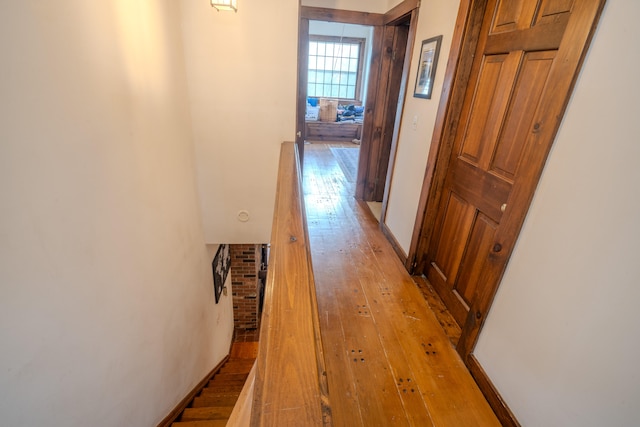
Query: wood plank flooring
[389, 363]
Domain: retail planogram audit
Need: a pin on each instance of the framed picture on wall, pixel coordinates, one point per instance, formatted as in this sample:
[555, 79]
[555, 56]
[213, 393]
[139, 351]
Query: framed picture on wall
[427, 67]
[220, 265]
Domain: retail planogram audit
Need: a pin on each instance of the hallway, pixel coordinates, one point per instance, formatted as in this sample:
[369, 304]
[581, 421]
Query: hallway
[388, 360]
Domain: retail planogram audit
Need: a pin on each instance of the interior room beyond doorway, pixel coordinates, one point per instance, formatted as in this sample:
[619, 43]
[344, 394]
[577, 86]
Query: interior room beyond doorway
[339, 57]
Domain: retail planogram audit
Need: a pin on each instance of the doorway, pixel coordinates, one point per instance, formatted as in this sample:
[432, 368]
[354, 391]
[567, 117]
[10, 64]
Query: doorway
[391, 41]
[338, 67]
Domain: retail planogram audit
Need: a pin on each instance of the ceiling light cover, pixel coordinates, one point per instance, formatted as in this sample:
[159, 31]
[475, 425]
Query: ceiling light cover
[225, 5]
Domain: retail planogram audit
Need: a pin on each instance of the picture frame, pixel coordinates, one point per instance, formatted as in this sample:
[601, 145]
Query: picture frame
[220, 266]
[427, 67]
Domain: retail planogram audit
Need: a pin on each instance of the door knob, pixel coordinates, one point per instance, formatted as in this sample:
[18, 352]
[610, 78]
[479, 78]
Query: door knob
[503, 207]
[299, 134]
[497, 247]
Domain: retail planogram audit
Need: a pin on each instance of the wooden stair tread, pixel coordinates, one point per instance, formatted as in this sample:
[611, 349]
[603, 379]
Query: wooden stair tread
[213, 393]
[243, 363]
[229, 380]
[207, 413]
[200, 423]
[222, 389]
[221, 384]
[224, 400]
[236, 370]
[244, 350]
[230, 377]
[215, 402]
[236, 367]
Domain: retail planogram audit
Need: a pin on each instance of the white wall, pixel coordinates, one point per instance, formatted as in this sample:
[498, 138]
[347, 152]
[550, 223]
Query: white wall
[561, 341]
[242, 75]
[107, 315]
[373, 6]
[436, 17]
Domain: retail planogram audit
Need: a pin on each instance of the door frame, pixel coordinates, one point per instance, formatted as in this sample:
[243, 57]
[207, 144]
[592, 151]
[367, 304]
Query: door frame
[302, 82]
[457, 76]
[306, 14]
[375, 162]
[464, 43]
[392, 51]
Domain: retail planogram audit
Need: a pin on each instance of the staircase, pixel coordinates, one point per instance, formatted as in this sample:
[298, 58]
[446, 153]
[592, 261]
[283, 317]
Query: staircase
[212, 407]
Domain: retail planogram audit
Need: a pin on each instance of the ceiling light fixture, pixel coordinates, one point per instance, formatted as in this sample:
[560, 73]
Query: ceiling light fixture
[225, 5]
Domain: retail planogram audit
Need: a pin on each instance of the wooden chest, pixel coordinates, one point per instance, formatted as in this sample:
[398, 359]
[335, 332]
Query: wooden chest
[333, 131]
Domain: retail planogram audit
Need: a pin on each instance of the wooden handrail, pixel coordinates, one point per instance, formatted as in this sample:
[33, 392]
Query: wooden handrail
[290, 386]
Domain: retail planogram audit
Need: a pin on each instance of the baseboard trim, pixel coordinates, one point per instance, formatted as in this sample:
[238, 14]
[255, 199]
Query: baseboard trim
[490, 392]
[394, 243]
[181, 406]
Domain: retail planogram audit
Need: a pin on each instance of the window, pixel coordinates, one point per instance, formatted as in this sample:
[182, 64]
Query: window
[335, 67]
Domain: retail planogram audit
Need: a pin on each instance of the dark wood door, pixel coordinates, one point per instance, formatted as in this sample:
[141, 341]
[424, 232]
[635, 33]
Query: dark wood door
[527, 55]
[385, 80]
[303, 73]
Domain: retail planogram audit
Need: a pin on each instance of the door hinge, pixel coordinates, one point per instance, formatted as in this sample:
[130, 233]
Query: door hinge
[414, 264]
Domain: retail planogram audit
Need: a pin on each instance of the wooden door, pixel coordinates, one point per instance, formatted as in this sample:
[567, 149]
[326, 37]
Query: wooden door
[303, 76]
[525, 59]
[387, 71]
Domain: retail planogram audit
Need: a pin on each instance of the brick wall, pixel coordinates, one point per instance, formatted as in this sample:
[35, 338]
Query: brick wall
[245, 264]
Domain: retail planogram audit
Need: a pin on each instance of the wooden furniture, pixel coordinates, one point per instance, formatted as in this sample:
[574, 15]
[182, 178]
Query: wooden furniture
[333, 131]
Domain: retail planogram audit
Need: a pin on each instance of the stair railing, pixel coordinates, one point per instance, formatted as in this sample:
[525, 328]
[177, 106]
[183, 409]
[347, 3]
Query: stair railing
[290, 386]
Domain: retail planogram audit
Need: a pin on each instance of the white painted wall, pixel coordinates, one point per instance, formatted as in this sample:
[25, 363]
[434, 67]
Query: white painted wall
[107, 315]
[241, 69]
[436, 17]
[561, 341]
[373, 6]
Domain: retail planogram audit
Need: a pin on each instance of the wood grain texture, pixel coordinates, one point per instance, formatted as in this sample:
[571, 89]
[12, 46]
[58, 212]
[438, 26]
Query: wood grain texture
[446, 320]
[328, 131]
[289, 383]
[241, 415]
[392, 240]
[465, 38]
[397, 69]
[400, 11]
[337, 15]
[380, 112]
[244, 350]
[515, 65]
[201, 423]
[545, 122]
[388, 360]
[371, 127]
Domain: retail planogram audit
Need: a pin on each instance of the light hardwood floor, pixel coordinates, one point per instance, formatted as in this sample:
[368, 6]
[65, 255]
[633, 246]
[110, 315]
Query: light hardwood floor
[388, 360]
